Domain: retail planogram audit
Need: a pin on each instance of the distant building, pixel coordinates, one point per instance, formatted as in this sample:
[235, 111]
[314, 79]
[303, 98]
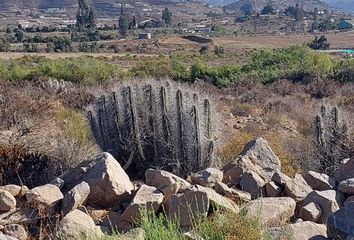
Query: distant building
[144, 35]
[345, 25]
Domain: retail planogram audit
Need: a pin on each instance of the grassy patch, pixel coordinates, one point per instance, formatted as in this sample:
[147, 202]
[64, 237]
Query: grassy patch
[73, 124]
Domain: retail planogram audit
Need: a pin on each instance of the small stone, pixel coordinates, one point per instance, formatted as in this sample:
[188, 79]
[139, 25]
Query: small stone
[146, 199]
[16, 231]
[310, 212]
[76, 197]
[347, 186]
[7, 201]
[207, 177]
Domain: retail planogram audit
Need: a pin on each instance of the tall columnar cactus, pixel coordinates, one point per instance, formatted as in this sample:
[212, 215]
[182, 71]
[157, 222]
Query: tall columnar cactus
[158, 125]
[332, 138]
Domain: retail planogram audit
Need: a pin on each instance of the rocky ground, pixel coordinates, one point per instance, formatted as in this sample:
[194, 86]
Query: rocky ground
[97, 197]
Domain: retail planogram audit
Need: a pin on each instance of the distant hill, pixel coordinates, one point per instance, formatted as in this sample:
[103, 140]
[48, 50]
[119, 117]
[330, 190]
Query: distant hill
[343, 5]
[278, 4]
[218, 2]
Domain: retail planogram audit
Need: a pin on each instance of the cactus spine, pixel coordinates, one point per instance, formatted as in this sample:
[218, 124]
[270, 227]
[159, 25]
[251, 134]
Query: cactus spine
[160, 130]
[331, 135]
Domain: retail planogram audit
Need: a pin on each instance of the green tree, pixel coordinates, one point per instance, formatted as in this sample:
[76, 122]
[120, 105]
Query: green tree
[123, 23]
[85, 16]
[167, 16]
[327, 25]
[19, 35]
[267, 10]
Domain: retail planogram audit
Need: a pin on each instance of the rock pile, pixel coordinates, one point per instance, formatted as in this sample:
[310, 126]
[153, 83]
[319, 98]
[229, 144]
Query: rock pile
[97, 197]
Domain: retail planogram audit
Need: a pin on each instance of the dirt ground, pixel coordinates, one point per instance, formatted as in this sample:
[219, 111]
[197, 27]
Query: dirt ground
[232, 44]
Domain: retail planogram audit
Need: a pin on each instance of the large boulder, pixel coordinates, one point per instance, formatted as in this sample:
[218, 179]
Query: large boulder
[45, 197]
[207, 177]
[256, 156]
[319, 181]
[76, 197]
[272, 212]
[232, 174]
[146, 199]
[310, 212]
[297, 188]
[7, 201]
[161, 178]
[16, 231]
[109, 184]
[114, 222]
[188, 207]
[272, 189]
[252, 183]
[232, 193]
[340, 224]
[76, 224]
[329, 201]
[347, 186]
[307, 231]
[218, 200]
[345, 170]
[15, 190]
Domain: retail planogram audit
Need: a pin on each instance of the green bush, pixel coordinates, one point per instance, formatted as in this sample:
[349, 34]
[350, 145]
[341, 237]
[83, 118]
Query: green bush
[81, 70]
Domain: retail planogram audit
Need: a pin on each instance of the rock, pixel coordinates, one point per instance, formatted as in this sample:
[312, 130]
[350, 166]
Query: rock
[319, 181]
[15, 190]
[187, 207]
[241, 196]
[345, 170]
[307, 230]
[231, 193]
[347, 186]
[76, 224]
[58, 182]
[161, 178]
[6, 237]
[272, 212]
[280, 178]
[257, 157]
[310, 212]
[147, 198]
[134, 234]
[349, 200]
[340, 224]
[171, 189]
[109, 184]
[96, 214]
[46, 197]
[219, 201]
[252, 183]
[232, 174]
[192, 235]
[7, 201]
[24, 215]
[76, 197]
[297, 188]
[16, 231]
[207, 177]
[329, 202]
[272, 189]
[115, 222]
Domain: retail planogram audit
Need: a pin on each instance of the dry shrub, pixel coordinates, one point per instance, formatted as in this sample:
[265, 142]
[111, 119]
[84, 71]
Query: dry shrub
[288, 165]
[20, 166]
[239, 227]
[233, 147]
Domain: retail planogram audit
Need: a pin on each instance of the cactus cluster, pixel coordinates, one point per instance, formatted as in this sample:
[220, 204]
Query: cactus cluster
[332, 139]
[157, 124]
